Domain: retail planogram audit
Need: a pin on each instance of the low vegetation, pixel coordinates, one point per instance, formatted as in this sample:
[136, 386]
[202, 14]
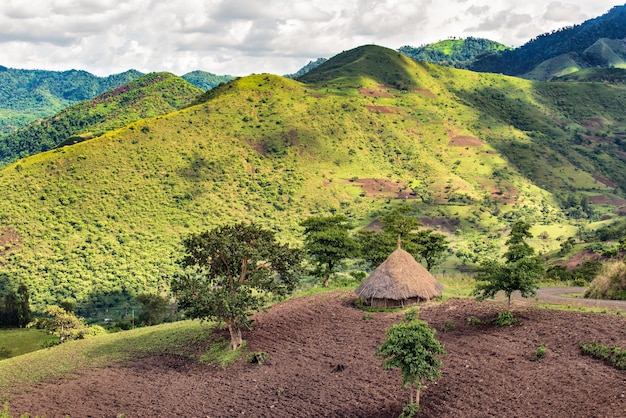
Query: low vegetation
[610, 282]
[615, 356]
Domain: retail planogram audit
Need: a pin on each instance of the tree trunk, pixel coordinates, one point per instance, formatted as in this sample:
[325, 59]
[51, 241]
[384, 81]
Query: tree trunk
[326, 278]
[417, 396]
[235, 335]
[509, 305]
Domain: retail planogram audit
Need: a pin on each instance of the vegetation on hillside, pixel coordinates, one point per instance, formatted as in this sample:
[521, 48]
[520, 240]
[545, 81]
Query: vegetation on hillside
[27, 95]
[101, 221]
[570, 40]
[204, 80]
[459, 53]
[147, 96]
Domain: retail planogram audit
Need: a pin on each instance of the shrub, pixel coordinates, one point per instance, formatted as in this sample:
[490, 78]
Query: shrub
[610, 282]
[539, 353]
[505, 318]
[473, 321]
[613, 355]
[258, 357]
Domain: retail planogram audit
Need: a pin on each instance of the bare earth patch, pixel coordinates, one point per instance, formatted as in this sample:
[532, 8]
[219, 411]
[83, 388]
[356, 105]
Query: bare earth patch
[322, 364]
[465, 141]
[384, 189]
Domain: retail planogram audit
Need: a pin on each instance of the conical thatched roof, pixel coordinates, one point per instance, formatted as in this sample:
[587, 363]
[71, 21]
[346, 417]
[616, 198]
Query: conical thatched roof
[400, 277]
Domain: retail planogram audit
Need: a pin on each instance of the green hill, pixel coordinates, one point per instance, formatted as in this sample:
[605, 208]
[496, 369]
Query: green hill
[459, 53]
[366, 130]
[147, 96]
[27, 95]
[594, 43]
[204, 80]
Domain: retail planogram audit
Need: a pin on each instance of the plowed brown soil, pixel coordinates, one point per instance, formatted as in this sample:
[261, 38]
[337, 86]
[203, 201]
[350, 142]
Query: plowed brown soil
[322, 364]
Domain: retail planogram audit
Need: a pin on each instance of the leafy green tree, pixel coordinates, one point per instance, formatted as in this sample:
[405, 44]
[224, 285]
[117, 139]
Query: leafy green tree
[401, 225]
[153, 308]
[412, 347]
[433, 247]
[328, 241]
[231, 272]
[521, 270]
[65, 325]
[23, 306]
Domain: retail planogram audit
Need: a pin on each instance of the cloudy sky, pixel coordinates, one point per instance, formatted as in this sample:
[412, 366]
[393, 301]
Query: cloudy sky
[241, 37]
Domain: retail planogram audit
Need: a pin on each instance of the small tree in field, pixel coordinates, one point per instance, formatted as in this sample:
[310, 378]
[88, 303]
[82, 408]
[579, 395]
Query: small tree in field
[232, 271]
[328, 242]
[522, 270]
[412, 347]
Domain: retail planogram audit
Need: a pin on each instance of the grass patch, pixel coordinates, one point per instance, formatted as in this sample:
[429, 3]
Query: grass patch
[179, 338]
[614, 356]
[15, 342]
[220, 354]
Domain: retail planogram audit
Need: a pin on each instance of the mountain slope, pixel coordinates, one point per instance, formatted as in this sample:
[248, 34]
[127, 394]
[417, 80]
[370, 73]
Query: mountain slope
[27, 95]
[572, 40]
[459, 53]
[205, 80]
[150, 95]
[471, 153]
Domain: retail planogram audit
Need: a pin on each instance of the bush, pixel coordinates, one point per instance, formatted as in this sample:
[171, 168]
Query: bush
[612, 355]
[610, 282]
[539, 353]
[505, 318]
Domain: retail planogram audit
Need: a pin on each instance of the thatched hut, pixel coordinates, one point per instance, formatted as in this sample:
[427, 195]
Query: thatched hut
[398, 282]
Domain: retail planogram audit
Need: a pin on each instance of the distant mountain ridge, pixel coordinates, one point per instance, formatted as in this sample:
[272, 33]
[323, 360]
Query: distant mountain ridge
[597, 42]
[28, 95]
[147, 96]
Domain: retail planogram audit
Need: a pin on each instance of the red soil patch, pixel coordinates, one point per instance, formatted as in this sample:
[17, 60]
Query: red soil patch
[606, 200]
[604, 180]
[426, 92]
[594, 122]
[465, 141]
[322, 364]
[9, 241]
[375, 93]
[384, 188]
[578, 259]
[383, 109]
[447, 224]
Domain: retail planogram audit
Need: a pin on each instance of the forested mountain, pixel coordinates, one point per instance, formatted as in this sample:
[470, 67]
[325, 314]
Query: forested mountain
[205, 80]
[147, 96]
[597, 42]
[365, 131]
[459, 53]
[27, 95]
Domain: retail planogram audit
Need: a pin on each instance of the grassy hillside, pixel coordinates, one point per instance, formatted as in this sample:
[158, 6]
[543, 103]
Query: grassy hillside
[27, 95]
[363, 132]
[458, 53]
[150, 95]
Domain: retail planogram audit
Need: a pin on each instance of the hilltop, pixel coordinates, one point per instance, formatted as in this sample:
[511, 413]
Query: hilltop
[370, 128]
[459, 53]
[26, 95]
[147, 96]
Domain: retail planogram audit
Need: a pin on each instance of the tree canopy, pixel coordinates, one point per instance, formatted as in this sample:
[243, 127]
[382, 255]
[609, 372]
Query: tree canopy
[412, 347]
[328, 241]
[401, 225]
[521, 271]
[231, 272]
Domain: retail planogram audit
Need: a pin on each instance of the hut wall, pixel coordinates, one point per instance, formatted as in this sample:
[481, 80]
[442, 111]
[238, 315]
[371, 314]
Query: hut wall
[391, 303]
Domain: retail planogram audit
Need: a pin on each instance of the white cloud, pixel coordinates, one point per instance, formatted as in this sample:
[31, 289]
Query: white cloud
[244, 36]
